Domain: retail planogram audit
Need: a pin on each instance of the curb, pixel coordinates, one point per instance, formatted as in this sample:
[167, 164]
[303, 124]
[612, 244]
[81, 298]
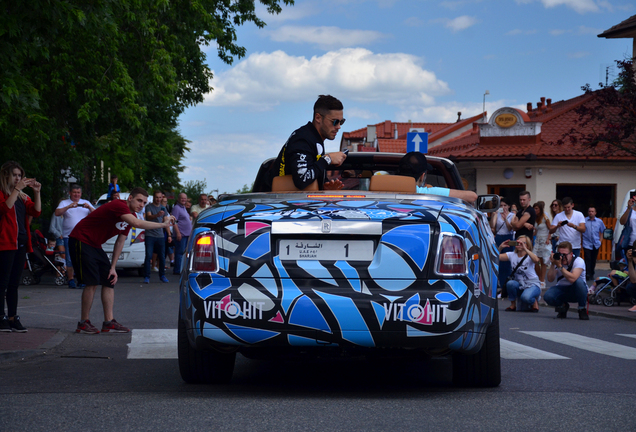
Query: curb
[51, 343]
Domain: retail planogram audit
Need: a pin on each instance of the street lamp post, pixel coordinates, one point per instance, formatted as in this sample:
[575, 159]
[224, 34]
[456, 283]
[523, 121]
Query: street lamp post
[483, 111]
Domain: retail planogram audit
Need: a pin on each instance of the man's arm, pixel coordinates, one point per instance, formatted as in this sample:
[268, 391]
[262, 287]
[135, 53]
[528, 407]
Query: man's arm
[140, 223]
[468, 196]
[517, 223]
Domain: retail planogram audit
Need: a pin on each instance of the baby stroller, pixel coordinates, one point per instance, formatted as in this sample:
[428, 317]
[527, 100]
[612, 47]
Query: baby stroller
[39, 263]
[608, 294]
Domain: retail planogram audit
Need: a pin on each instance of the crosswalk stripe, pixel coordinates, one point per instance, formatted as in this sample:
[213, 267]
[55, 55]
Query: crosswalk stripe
[587, 343]
[153, 344]
[162, 344]
[514, 351]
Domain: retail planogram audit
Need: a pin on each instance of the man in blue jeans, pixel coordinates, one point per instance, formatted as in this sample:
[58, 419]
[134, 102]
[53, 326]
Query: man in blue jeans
[569, 272]
[155, 241]
[182, 230]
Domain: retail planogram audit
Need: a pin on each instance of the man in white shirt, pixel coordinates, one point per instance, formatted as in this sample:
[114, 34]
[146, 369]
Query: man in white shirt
[72, 210]
[569, 272]
[571, 224]
[198, 208]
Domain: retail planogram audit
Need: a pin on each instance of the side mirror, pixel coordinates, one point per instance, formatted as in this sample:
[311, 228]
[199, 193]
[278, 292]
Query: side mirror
[487, 203]
[608, 234]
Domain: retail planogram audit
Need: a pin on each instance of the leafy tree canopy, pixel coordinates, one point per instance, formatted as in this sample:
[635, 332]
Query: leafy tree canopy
[608, 122]
[88, 87]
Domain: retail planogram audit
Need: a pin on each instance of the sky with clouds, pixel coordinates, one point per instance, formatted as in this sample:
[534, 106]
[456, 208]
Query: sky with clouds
[399, 60]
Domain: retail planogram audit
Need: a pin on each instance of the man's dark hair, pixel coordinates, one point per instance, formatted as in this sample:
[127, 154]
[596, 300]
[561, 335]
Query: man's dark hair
[138, 190]
[567, 200]
[156, 191]
[565, 245]
[522, 193]
[75, 187]
[326, 103]
[413, 164]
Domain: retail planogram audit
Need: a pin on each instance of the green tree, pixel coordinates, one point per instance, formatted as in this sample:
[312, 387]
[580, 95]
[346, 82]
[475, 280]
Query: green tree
[103, 82]
[607, 123]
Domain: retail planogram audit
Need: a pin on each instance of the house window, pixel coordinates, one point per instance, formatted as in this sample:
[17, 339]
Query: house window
[602, 197]
[507, 191]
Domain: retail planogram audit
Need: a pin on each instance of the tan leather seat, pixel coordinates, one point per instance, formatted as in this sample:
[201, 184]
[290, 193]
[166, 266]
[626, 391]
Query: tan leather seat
[286, 184]
[392, 183]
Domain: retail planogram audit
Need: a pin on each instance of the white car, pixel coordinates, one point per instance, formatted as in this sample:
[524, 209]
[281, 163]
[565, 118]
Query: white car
[133, 254]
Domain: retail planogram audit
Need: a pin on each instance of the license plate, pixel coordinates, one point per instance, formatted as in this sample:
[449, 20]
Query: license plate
[326, 250]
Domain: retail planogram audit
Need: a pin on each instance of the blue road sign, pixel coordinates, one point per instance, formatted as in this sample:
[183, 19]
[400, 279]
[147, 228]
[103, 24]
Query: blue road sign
[417, 141]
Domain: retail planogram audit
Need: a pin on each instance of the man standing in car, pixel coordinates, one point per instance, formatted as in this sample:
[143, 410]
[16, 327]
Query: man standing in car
[303, 155]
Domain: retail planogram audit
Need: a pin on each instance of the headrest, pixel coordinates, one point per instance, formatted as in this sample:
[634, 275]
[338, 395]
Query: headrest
[392, 183]
[286, 184]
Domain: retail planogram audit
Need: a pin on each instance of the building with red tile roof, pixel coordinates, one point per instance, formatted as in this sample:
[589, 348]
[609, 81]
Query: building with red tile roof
[517, 150]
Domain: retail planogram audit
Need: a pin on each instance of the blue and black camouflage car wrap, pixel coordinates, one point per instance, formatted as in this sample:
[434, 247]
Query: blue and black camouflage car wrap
[395, 299]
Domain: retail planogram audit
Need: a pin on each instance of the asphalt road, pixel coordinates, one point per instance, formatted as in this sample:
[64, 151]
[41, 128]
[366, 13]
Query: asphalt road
[557, 375]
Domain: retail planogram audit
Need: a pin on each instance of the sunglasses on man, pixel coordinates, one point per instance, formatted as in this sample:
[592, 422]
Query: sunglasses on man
[335, 122]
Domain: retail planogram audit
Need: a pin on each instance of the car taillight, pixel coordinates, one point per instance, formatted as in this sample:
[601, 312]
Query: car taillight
[204, 253]
[452, 256]
[141, 237]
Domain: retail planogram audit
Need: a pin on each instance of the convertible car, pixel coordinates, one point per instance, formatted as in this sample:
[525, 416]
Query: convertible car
[373, 267]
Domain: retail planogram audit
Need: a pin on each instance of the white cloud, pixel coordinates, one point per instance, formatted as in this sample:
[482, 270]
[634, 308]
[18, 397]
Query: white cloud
[558, 32]
[264, 80]
[580, 6]
[325, 37]
[461, 23]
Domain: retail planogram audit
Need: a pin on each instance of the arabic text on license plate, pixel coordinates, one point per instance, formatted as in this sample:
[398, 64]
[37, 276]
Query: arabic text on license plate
[332, 250]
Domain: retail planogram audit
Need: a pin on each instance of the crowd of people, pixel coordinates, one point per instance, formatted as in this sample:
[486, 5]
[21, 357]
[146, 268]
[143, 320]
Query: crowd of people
[537, 248]
[77, 231]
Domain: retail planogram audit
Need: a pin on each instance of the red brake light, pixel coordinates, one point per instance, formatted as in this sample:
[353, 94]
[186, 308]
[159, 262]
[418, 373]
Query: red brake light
[452, 259]
[204, 254]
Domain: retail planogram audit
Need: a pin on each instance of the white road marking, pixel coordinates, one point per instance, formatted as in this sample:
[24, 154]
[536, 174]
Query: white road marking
[514, 351]
[633, 336]
[587, 343]
[153, 344]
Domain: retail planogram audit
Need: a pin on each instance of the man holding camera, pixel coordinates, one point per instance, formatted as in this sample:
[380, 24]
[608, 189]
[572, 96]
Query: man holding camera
[569, 272]
[72, 210]
[571, 224]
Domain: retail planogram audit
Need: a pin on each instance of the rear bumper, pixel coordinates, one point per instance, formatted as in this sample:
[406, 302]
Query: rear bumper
[432, 317]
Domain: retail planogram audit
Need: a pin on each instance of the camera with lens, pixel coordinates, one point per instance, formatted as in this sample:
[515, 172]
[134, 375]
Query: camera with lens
[557, 256]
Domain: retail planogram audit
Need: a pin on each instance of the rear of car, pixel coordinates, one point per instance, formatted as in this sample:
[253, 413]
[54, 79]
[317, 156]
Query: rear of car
[350, 272]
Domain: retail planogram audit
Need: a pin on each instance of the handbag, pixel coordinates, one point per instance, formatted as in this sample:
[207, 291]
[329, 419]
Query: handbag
[512, 275]
[627, 232]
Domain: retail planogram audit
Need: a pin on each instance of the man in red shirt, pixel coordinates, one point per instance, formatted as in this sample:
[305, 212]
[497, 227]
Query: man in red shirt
[91, 262]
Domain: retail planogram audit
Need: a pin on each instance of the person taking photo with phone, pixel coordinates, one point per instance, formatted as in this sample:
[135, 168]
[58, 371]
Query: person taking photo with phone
[93, 267]
[569, 273]
[523, 283]
[570, 224]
